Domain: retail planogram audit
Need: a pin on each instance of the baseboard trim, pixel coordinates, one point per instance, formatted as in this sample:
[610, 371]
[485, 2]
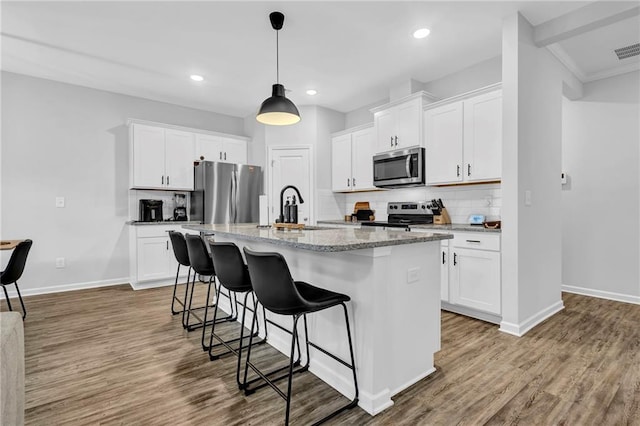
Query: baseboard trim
[617, 297]
[522, 328]
[65, 287]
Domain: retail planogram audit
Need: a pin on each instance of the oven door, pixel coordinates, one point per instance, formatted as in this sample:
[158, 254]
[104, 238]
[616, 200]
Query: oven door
[399, 168]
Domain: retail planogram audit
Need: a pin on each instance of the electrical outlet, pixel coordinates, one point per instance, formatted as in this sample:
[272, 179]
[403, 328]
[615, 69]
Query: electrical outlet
[59, 262]
[527, 198]
[59, 202]
[413, 275]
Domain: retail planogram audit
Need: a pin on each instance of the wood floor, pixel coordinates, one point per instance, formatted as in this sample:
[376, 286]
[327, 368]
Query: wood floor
[115, 356]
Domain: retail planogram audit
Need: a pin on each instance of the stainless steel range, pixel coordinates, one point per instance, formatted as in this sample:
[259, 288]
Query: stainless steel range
[404, 214]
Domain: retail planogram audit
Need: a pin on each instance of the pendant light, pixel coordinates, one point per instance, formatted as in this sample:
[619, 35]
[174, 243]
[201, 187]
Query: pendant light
[277, 110]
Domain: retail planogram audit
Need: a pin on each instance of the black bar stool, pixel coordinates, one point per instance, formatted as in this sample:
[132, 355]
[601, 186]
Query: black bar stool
[202, 264]
[278, 293]
[233, 275]
[179, 245]
[13, 272]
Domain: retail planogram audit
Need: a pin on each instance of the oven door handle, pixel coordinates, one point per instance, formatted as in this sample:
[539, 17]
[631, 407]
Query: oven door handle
[408, 166]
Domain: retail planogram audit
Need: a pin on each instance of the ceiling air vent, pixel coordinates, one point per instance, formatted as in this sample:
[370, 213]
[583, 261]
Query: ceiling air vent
[628, 52]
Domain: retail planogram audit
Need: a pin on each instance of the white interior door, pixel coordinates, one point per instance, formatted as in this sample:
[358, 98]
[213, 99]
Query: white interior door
[291, 166]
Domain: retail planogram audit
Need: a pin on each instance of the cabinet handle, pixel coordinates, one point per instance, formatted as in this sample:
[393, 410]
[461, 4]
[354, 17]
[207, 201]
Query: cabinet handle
[455, 259]
[225, 155]
[443, 260]
[347, 181]
[167, 245]
[396, 141]
[167, 180]
[391, 140]
[221, 155]
[457, 170]
[163, 180]
[469, 169]
[473, 241]
[353, 182]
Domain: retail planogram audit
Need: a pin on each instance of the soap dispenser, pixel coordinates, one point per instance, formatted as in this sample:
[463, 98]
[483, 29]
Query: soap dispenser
[287, 211]
[293, 211]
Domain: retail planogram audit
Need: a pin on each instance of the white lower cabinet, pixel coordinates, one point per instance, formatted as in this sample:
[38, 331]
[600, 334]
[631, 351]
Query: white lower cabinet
[474, 272]
[153, 258]
[444, 270]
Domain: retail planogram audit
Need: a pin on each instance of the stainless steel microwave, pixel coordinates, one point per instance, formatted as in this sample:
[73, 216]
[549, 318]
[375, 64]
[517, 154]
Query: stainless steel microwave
[399, 168]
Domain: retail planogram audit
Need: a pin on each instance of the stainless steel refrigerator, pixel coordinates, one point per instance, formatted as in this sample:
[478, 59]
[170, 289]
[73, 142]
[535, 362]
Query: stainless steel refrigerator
[226, 193]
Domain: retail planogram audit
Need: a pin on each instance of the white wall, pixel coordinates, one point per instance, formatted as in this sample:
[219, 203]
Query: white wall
[474, 77]
[531, 159]
[70, 141]
[600, 203]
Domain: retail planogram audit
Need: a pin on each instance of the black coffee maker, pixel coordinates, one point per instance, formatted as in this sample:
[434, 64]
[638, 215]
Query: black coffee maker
[151, 210]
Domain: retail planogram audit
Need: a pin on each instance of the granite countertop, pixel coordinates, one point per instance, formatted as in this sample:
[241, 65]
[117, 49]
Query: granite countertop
[321, 239]
[451, 227]
[163, 222]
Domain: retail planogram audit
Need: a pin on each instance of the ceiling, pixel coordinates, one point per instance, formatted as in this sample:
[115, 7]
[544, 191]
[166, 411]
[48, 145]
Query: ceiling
[350, 52]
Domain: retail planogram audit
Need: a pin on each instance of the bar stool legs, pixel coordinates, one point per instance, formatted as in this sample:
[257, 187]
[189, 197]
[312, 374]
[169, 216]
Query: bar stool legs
[175, 298]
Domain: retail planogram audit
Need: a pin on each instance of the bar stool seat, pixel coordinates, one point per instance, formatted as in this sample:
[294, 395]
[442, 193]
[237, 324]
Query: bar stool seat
[279, 293]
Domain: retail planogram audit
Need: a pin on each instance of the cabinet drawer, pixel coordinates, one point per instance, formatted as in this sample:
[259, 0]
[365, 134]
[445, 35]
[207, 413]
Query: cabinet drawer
[145, 231]
[476, 240]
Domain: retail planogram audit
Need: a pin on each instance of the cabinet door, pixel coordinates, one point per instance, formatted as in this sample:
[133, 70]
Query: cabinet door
[234, 151]
[443, 144]
[155, 259]
[362, 150]
[444, 271]
[179, 155]
[148, 157]
[209, 147]
[409, 118]
[475, 279]
[341, 163]
[483, 137]
[385, 125]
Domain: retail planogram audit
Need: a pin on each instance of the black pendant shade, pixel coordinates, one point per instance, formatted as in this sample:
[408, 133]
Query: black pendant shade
[277, 110]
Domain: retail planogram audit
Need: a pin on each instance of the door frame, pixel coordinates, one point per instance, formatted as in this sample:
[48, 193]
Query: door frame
[271, 149]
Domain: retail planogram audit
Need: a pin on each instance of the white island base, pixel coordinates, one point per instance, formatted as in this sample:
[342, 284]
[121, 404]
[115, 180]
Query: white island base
[394, 313]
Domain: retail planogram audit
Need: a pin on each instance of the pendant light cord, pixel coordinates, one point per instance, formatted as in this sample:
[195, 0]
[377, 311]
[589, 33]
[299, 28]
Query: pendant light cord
[277, 59]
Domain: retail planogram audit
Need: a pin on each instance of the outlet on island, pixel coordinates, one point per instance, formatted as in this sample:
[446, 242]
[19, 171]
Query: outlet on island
[413, 275]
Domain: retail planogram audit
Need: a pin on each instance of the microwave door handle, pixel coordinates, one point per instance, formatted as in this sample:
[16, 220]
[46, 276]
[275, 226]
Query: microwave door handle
[408, 166]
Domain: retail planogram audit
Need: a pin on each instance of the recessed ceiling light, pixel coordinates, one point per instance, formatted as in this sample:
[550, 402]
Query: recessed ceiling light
[421, 33]
[312, 92]
[196, 77]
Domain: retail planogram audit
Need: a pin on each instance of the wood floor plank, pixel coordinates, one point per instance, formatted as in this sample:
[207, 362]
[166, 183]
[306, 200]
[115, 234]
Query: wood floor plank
[114, 356]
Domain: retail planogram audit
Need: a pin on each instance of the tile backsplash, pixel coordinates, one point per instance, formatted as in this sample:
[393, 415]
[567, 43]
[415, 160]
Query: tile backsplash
[460, 201]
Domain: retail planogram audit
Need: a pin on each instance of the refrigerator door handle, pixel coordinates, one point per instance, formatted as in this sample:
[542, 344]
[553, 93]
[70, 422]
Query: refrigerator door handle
[234, 196]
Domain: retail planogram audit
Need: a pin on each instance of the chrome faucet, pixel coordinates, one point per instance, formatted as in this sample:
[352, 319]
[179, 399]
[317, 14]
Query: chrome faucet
[281, 217]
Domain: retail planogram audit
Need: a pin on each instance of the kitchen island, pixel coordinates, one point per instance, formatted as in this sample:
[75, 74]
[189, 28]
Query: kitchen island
[393, 279]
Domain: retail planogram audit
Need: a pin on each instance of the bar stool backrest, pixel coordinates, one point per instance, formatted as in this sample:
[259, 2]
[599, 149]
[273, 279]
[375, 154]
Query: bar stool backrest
[179, 245]
[230, 268]
[198, 256]
[15, 266]
[272, 282]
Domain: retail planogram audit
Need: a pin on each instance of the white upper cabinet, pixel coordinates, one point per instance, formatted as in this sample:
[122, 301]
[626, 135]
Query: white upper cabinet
[443, 143]
[399, 125]
[220, 148]
[178, 162]
[161, 158]
[352, 161]
[483, 137]
[463, 139]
